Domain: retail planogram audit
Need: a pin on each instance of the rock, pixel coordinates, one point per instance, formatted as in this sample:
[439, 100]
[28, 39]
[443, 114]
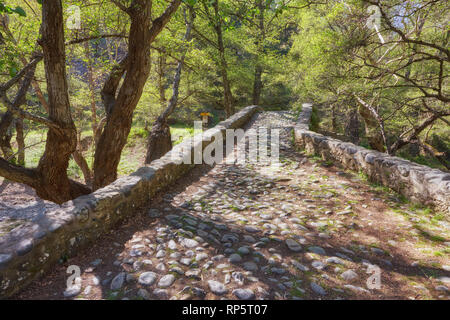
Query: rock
[442, 288]
[130, 278]
[377, 251]
[161, 294]
[244, 294]
[172, 245]
[249, 239]
[201, 256]
[144, 294]
[317, 250]
[444, 280]
[72, 291]
[199, 292]
[96, 262]
[334, 260]
[230, 238]
[349, 275]
[293, 245]
[177, 270]
[318, 289]
[147, 278]
[166, 281]
[251, 229]
[299, 266]
[357, 289]
[154, 213]
[117, 282]
[235, 258]
[186, 261]
[279, 271]
[189, 243]
[95, 280]
[250, 266]
[161, 254]
[319, 265]
[244, 250]
[4, 259]
[195, 273]
[346, 212]
[217, 287]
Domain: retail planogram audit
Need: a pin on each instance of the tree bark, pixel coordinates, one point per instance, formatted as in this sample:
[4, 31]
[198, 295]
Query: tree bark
[20, 139]
[374, 126]
[413, 136]
[136, 67]
[91, 83]
[5, 135]
[352, 127]
[82, 163]
[54, 183]
[258, 84]
[228, 95]
[161, 78]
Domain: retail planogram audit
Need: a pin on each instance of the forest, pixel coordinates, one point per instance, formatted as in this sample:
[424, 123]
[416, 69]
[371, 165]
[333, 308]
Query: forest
[92, 90]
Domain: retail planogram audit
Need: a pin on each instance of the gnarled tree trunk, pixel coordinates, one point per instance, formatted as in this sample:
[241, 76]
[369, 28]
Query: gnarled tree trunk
[61, 142]
[374, 126]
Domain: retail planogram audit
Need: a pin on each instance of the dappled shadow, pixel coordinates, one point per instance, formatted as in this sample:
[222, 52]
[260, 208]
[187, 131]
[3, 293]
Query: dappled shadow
[231, 207]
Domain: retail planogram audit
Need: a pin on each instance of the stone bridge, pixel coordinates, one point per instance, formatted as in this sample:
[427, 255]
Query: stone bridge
[312, 226]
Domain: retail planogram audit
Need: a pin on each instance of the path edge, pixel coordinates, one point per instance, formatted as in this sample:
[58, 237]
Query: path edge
[419, 183]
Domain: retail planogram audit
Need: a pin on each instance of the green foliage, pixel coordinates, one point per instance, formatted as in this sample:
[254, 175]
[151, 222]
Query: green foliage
[10, 10]
[318, 52]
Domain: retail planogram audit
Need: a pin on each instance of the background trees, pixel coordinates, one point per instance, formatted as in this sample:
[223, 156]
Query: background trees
[77, 110]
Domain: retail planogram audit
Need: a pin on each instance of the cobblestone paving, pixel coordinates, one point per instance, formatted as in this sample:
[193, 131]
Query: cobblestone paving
[303, 229]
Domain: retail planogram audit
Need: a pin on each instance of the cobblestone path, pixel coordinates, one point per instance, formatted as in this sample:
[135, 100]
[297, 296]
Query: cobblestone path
[303, 229]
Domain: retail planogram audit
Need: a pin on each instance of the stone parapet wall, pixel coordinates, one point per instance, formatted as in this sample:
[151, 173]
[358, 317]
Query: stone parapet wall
[417, 182]
[30, 251]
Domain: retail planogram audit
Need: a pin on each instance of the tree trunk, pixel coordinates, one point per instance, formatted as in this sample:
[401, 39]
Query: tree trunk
[228, 96]
[5, 135]
[161, 79]
[353, 124]
[54, 183]
[374, 126]
[334, 126]
[258, 84]
[160, 139]
[20, 139]
[82, 163]
[91, 87]
[136, 67]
